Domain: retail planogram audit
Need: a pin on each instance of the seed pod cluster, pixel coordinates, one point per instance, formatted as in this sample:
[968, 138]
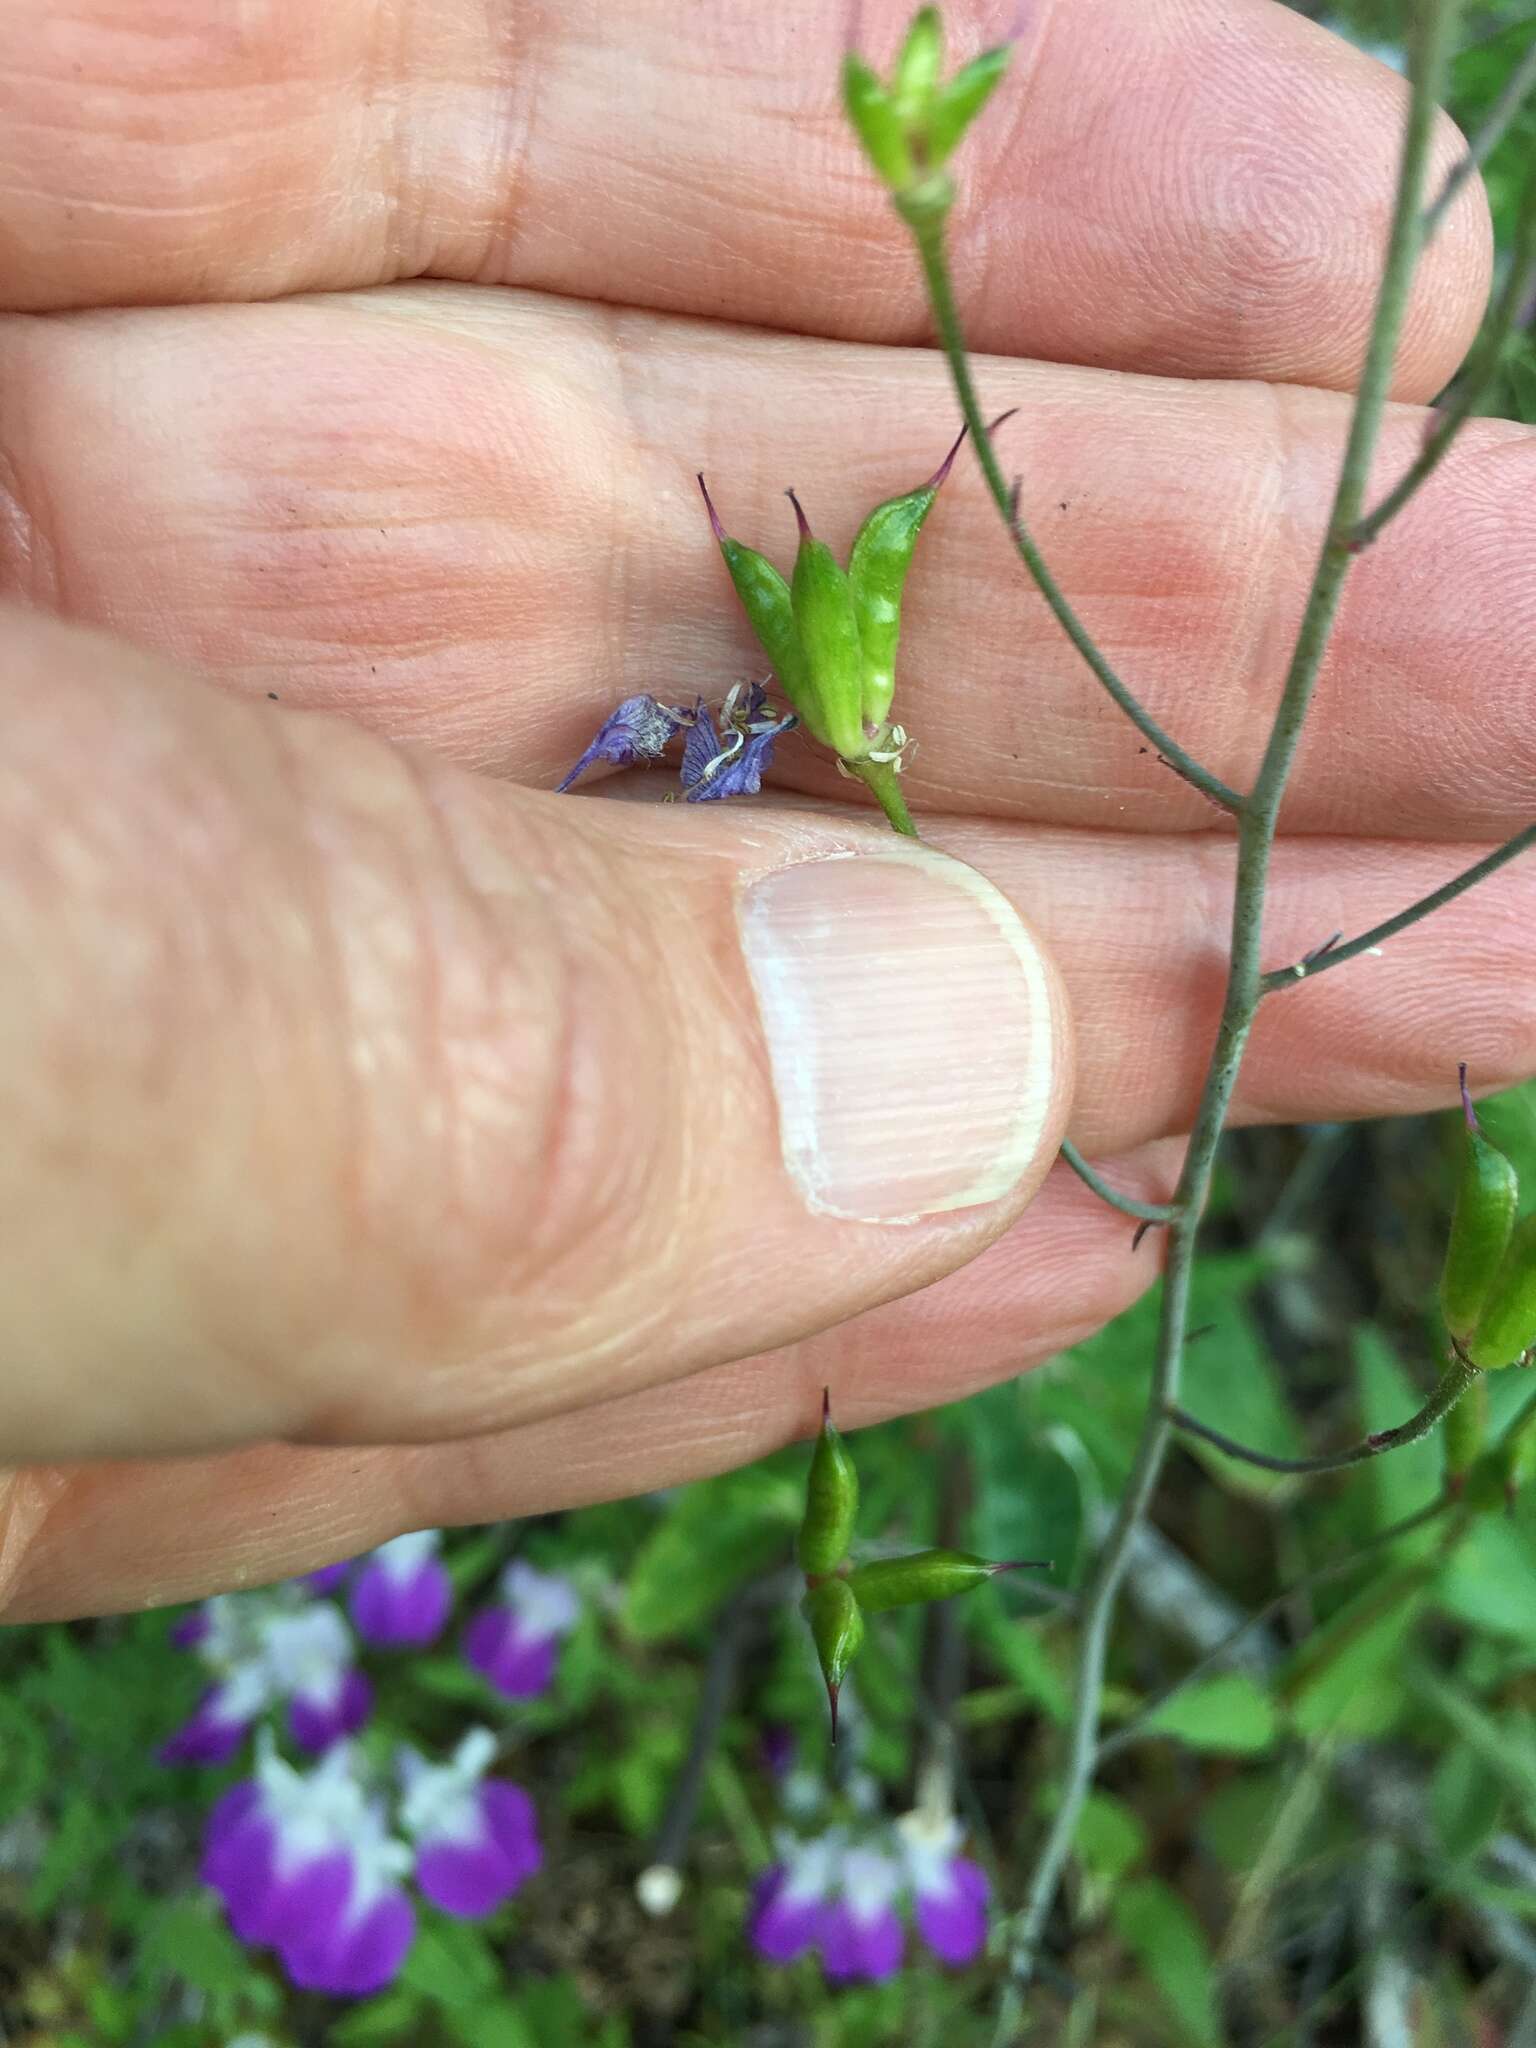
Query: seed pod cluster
[1488, 1286]
[911, 123]
[839, 1593]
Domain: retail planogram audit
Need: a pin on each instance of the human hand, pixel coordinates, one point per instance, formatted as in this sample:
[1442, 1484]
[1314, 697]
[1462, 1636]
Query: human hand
[390, 1145]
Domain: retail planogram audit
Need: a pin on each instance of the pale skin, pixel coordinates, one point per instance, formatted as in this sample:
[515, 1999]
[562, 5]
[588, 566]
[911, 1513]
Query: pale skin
[388, 1143]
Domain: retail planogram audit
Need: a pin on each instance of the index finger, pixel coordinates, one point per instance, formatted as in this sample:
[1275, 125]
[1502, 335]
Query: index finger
[1190, 187]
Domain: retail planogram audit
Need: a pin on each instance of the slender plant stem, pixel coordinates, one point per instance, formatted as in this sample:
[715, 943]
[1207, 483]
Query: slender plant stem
[1487, 139]
[928, 232]
[1454, 1382]
[1139, 1727]
[881, 778]
[1335, 956]
[1128, 1205]
[1476, 380]
[1256, 831]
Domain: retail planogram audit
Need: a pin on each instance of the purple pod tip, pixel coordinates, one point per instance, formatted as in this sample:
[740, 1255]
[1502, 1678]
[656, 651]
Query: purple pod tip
[1466, 1097]
[1002, 419]
[936, 480]
[1024, 1564]
[832, 1693]
[826, 1396]
[800, 519]
[709, 506]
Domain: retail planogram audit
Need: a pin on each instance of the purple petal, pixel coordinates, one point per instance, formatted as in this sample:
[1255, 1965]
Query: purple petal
[782, 1928]
[350, 1959]
[520, 1666]
[472, 1877]
[189, 1629]
[238, 1843]
[855, 1947]
[953, 1922]
[637, 731]
[513, 1825]
[392, 1610]
[306, 1906]
[315, 1723]
[701, 747]
[327, 1577]
[743, 774]
[208, 1737]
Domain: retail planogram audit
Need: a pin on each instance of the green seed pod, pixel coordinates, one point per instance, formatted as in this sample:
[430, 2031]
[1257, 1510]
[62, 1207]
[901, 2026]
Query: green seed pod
[957, 104]
[916, 76]
[837, 1629]
[1484, 1216]
[1465, 1428]
[828, 629]
[766, 601]
[875, 122]
[877, 575]
[831, 1501]
[1506, 1329]
[927, 1575]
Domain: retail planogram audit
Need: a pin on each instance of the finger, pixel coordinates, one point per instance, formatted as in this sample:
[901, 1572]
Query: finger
[1192, 187]
[348, 1097]
[108, 1536]
[470, 520]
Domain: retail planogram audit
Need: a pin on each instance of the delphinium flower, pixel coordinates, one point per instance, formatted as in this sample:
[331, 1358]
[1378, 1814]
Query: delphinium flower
[476, 1837]
[312, 1658]
[306, 1864]
[837, 1894]
[514, 1642]
[724, 760]
[227, 1634]
[402, 1593]
[949, 1891]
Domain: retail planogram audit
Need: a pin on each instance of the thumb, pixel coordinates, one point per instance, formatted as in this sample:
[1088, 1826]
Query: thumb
[350, 1097]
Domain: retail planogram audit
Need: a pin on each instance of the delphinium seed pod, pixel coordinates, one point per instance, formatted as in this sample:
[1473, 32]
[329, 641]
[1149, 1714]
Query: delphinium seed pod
[877, 575]
[1486, 1198]
[927, 1575]
[831, 1501]
[828, 629]
[837, 1629]
[1506, 1329]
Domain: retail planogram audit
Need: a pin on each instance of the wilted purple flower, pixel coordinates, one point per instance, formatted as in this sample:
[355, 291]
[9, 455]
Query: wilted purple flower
[476, 1838]
[950, 1892]
[514, 1642]
[403, 1593]
[638, 730]
[311, 1657]
[731, 762]
[861, 1933]
[305, 1864]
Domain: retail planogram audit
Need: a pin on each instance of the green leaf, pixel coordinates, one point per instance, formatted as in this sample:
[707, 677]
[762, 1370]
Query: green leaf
[1157, 1926]
[1229, 1714]
[1230, 1381]
[1489, 1580]
[1346, 1679]
[1029, 1496]
[497, 2025]
[1405, 1479]
[1465, 1801]
[186, 1940]
[1111, 1838]
[712, 1537]
[393, 2016]
[451, 1964]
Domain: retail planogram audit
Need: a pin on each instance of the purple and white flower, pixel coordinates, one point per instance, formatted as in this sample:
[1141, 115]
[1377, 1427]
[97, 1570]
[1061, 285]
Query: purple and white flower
[402, 1593]
[862, 1934]
[949, 1891]
[228, 1635]
[789, 1903]
[311, 1657]
[639, 729]
[476, 1837]
[514, 1643]
[306, 1865]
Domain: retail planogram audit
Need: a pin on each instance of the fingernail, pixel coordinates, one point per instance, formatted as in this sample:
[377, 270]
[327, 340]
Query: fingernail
[908, 1018]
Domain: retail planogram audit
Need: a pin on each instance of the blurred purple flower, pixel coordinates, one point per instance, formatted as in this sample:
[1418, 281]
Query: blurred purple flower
[227, 1635]
[326, 1577]
[476, 1838]
[862, 1934]
[403, 1593]
[220, 1722]
[950, 1892]
[514, 1643]
[188, 1630]
[312, 1660]
[638, 730]
[789, 1904]
[305, 1864]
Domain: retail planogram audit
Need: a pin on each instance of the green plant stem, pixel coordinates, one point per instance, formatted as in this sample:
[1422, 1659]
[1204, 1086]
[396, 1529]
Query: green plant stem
[1476, 380]
[881, 778]
[1490, 134]
[1140, 1726]
[1256, 831]
[1453, 1383]
[927, 226]
[1128, 1205]
[1335, 956]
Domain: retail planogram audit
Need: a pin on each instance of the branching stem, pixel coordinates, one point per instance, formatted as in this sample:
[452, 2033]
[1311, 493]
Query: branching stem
[1453, 1383]
[1128, 1205]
